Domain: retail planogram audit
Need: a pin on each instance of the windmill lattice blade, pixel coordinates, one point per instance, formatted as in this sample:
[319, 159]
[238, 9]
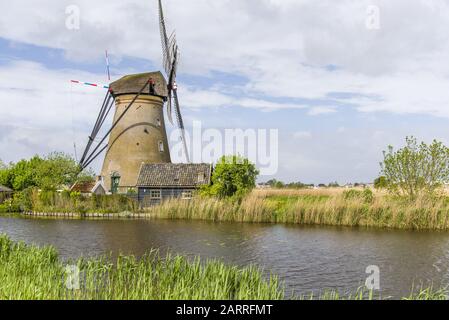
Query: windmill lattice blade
[167, 58]
[169, 107]
[98, 124]
[173, 70]
[178, 110]
[94, 154]
[174, 53]
[180, 124]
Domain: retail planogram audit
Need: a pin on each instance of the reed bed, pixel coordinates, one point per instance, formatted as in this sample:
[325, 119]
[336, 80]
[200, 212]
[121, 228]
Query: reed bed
[362, 293]
[300, 192]
[332, 207]
[429, 293]
[30, 272]
[66, 202]
[308, 207]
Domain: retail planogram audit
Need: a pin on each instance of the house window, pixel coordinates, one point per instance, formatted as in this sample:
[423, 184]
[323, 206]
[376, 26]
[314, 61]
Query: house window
[158, 122]
[155, 194]
[161, 146]
[188, 194]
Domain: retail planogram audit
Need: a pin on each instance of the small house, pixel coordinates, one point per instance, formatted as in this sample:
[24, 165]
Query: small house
[87, 188]
[159, 182]
[5, 193]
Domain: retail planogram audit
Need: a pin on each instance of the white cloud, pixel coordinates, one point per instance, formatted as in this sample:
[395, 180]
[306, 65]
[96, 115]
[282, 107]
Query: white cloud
[316, 111]
[299, 49]
[42, 112]
[282, 47]
[198, 98]
[302, 135]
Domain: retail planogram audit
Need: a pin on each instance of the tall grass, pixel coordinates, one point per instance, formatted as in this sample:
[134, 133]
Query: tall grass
[30, 272]
[307, 208]
[362, 293]
[67, 202]
[429, 293]
[333, 207]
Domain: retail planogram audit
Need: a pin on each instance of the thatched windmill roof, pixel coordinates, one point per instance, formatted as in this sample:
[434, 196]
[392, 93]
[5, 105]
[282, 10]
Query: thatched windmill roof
[132, 84]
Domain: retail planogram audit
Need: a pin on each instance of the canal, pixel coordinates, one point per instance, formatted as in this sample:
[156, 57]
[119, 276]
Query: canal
[306, 258]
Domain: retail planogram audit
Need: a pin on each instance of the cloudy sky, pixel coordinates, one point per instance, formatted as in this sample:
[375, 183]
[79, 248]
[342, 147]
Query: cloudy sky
[340, 80]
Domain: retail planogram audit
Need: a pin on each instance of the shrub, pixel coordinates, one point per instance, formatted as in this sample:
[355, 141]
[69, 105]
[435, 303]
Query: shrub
[233, 176]
[381, 183]
[8, 207]
[416, 169]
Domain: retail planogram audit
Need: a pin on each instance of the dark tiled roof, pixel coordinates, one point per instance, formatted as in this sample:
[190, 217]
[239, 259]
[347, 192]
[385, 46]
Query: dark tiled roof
[4, 189]
[133, 83]
[174, 175]
[83, 187]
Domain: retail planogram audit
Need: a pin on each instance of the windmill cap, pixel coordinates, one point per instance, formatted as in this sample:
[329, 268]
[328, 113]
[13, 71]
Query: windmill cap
[133, 83]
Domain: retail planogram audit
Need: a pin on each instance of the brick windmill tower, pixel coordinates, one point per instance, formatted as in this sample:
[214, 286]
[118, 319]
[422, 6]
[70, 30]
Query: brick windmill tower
[140, 136]
[138, 133]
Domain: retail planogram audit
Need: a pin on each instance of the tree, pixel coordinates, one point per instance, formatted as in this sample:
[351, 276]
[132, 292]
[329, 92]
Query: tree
[23, 174]
[58, 169]
[271, 182]
[381, 183]
[232, 176]
[279, 185]
[416, 168]
[334, 185]
[291, 185]
[3, 174]
[48, 173]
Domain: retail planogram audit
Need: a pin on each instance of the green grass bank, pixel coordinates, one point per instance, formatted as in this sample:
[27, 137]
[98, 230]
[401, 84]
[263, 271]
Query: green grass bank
[29, 272]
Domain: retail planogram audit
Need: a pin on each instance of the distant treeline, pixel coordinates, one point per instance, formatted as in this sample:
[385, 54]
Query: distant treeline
[273, 183]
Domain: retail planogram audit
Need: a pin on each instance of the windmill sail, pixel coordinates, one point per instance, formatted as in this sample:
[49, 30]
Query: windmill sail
[171, 80]
[164, 40]
[170, 54]
[180, 124]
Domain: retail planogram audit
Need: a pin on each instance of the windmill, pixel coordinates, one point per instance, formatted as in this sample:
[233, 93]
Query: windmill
[170, 54]
[138, 133]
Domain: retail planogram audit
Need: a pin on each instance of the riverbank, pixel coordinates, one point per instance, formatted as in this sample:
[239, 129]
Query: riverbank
[331, 207]
[34, 273]
[310, 207]
[88, 215]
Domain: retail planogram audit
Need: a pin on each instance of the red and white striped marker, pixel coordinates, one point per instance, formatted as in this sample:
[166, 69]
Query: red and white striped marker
[90, 84]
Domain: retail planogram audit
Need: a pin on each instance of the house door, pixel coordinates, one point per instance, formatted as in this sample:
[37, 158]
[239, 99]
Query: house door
[115, 182]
